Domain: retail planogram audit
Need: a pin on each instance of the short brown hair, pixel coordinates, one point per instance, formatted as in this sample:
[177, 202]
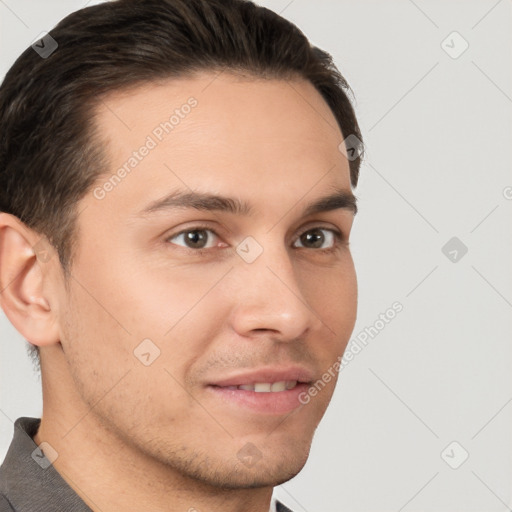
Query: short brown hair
[50, 155]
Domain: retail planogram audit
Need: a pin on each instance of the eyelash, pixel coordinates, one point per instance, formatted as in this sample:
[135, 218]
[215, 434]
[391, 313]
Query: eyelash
[339, 239]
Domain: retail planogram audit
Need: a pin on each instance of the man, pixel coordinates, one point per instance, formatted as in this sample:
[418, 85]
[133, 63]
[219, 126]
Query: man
[176, 194]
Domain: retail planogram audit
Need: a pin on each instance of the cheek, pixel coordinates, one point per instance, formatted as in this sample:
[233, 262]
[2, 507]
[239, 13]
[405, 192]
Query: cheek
[332, 294]
[114, 382]
[334, 298]
[96, 345]
[118, 304]
[159, 299]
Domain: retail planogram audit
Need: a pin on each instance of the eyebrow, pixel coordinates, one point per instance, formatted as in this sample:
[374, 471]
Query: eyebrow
[339, 199]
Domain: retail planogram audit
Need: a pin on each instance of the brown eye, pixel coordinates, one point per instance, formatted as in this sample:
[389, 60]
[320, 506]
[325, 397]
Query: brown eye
[316, 238]
[201, 238]
[313, 238]
[195, 238]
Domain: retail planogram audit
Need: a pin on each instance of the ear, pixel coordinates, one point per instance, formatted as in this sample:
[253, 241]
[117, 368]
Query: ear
[24, 264]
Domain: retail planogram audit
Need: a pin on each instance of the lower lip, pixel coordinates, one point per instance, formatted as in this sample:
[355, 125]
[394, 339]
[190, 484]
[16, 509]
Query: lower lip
[277, 402]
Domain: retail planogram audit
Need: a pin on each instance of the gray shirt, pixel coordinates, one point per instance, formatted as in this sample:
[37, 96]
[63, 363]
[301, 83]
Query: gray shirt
[30, 483]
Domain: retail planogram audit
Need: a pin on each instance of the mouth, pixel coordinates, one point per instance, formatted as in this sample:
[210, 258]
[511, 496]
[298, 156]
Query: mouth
[266, 387]
[269, 391]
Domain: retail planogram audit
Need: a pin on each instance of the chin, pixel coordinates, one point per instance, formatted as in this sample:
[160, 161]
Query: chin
[267, 475]
[273, 468]
[284, 472]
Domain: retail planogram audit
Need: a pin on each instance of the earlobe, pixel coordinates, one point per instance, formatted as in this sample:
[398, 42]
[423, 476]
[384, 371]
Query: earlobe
[22, 278]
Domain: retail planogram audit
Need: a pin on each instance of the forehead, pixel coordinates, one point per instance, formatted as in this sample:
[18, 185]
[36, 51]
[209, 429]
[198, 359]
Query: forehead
[222, 133]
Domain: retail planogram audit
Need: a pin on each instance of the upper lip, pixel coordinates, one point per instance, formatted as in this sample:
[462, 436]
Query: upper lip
[266, 374]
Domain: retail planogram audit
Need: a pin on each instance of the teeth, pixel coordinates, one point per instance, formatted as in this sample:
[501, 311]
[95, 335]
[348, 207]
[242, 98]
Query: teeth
[267, 387]
[262, 387]
[278, 386]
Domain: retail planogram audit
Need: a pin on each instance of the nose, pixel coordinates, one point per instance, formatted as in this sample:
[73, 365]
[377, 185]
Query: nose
[270, 299]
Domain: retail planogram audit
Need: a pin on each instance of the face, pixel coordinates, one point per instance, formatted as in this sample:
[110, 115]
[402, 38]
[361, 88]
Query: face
[194, 325]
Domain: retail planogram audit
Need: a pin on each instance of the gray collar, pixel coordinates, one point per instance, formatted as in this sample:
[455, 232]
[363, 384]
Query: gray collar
[27, 479]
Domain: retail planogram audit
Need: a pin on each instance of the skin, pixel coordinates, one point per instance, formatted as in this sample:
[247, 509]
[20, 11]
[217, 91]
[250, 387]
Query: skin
[133, 437]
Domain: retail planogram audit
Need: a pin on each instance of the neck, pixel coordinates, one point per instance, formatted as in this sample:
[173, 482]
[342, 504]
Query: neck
[109, 473]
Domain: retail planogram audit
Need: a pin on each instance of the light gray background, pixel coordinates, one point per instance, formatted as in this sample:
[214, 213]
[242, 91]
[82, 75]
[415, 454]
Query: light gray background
[438, 133]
